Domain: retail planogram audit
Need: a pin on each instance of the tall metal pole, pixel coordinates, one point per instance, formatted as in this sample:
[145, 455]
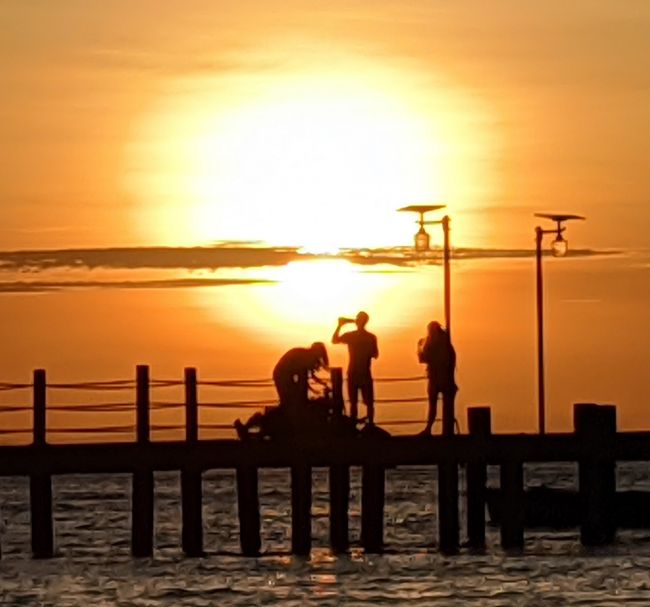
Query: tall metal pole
[541, 396]
[447, 255]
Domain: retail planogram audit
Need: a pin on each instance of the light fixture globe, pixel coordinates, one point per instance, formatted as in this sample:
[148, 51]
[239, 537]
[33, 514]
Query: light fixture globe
[560, 246]
[422, 241]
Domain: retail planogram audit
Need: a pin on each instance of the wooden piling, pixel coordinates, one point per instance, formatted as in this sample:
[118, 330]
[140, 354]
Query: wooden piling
[336, 374]
[301, 509]
[373, 481]
[142, 499]
[339, 477]
[191, 480]
[40, 482]
[448, 533]
[479, 422]
[595, 427]
[512, 498]
[249, 510]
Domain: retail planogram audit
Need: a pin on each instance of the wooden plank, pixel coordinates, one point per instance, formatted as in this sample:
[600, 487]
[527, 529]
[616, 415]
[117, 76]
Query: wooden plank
[228, 454]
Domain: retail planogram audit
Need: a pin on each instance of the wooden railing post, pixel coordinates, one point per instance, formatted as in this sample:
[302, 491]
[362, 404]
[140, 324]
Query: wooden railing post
[40, 408]
[249, 510]
[142, 500]
[191, 480]
[301, 509]
[479, 422]
[595, 428]
[372, 507]
[40, 482]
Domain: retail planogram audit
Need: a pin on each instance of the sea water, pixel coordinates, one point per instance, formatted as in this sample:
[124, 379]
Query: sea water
[93, 565]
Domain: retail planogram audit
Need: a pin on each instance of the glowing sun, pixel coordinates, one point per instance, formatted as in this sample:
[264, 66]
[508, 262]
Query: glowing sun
[315, 160]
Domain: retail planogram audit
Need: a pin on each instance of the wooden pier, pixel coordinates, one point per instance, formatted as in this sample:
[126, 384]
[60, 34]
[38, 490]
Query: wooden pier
[594, 445]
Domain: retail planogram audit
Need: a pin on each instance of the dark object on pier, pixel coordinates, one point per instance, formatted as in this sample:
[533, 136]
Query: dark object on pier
[546, 507]
[316, 418]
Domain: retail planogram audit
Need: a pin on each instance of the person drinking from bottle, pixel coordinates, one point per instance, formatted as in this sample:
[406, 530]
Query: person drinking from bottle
[362, 348]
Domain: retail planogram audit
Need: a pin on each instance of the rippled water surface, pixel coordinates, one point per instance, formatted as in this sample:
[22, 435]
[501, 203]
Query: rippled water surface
[94, 566]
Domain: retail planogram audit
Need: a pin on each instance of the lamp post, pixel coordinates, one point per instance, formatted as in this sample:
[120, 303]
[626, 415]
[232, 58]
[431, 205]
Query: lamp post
[422, 244]
[559, 248]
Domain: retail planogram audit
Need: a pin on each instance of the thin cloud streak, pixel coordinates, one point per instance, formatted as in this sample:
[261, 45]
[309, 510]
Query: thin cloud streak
[181, 283]
[232, 256]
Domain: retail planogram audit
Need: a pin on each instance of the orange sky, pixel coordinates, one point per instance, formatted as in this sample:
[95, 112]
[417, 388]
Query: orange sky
[536, 107]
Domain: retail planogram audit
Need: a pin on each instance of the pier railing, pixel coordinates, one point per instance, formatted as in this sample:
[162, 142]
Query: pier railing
[142, 407]
[595, 445]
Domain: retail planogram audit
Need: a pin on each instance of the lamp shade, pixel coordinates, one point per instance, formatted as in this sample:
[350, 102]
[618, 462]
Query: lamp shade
[422, 241]
[559, 247]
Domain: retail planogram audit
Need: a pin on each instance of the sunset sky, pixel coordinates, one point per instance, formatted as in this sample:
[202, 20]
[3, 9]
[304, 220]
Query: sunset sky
[308, 123]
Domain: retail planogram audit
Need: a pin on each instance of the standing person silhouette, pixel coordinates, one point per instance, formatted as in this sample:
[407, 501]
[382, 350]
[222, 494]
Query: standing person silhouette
[439, 356]
[362, 348]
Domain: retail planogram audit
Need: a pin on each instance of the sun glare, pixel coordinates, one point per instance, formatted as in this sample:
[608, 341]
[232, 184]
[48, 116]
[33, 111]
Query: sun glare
[318, 160]
[305, 299]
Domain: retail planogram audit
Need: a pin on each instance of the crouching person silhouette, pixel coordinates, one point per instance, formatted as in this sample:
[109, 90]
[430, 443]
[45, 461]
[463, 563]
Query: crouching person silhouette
[437, 352]
[291, 377]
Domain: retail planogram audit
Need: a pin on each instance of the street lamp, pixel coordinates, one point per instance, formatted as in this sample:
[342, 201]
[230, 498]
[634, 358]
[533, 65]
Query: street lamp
[422, 242]
[559, 248]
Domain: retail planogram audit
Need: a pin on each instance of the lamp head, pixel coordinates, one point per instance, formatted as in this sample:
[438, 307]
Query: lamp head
[422, 238]
[560, 246]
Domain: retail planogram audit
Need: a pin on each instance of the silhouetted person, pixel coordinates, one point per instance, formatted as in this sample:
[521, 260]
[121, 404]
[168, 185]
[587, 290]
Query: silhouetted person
[292, 372]
[362, 348]
[291, 377]
[439, 356]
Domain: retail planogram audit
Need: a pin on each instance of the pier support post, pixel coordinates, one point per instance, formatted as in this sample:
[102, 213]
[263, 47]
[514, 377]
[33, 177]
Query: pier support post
[142, 500]
[448, 532]
[248, 503]
[373, 481]
[301, 509]
[480, 427]
[191, 480]
[512, 498]
[339, 478]
[595, 427]
[336, 374]
[40, 483]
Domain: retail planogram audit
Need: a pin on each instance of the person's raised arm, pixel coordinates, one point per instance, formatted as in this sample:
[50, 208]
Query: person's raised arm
[336, 337]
